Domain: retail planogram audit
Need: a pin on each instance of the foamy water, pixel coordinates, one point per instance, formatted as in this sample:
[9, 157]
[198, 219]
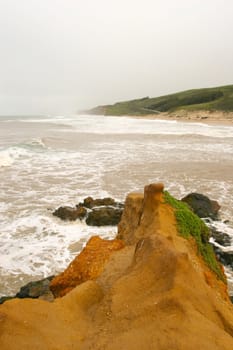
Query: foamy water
[46, 162]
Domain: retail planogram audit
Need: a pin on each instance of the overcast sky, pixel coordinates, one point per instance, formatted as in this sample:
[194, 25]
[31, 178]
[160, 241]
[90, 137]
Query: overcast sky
[59, 56]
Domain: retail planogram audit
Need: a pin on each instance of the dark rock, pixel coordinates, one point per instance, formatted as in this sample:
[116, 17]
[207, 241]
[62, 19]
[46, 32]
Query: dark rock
[3, 299]
[215, 207]
[37, 289]
[90, 203]
[120, 205]
[104, 216]
[81, 212]
[226, 258]
[109, 210]
[231, 298]
[221, 238]
[202, 205]
[69, 213]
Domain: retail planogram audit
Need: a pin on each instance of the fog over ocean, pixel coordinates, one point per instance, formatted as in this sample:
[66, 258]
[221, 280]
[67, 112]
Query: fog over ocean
[46, 162]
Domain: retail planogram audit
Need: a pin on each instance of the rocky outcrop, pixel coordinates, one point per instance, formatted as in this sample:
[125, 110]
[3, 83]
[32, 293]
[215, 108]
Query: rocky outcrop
[6, 298]
[221, 238]
[221, 242]
[70, 213]
[222, 246]
[37, 289]
[106, 216]
[225, 256]
[131, 218]
[202, 205]
[156, 292]
[90, 203]
[88, 265]
[97, 212]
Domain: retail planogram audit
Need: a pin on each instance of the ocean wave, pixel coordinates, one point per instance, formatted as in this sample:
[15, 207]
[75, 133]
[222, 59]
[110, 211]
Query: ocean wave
[5, 159]
[103, 125]
[225, 228]
[9, 155]
[48, 166]
[35, 143]
[126, 125]
[40, 244]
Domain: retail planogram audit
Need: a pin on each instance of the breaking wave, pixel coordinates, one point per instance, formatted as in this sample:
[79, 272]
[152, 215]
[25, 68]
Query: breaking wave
[61, 160]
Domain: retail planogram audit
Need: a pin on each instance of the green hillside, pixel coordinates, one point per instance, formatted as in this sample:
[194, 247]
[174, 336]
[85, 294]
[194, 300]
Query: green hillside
[212, 99]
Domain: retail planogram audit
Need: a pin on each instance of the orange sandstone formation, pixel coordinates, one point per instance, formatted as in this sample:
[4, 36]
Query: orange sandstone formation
[88, 265]
[154, 293]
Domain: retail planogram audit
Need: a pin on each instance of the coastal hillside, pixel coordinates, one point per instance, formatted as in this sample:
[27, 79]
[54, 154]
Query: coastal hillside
[210, 99]
[156, 286]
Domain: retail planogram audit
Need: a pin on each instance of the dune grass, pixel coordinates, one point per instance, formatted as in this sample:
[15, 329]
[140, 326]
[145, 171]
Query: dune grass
[212, 99]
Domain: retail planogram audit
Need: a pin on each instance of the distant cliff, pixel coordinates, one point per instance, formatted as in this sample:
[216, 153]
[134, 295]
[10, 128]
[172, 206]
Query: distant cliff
[156, 286]
[212, 99]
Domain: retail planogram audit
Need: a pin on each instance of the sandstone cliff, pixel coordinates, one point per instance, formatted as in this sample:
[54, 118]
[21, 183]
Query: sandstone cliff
[154, 291]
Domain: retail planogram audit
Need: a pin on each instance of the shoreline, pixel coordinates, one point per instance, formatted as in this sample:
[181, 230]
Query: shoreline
[167, 156]
[204, 117]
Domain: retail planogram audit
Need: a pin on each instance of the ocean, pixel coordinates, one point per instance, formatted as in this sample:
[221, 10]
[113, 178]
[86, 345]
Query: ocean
[46, 162]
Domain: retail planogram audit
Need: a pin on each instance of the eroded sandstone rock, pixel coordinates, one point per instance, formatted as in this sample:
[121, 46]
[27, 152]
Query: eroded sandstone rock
[156, 292]
[88, 265]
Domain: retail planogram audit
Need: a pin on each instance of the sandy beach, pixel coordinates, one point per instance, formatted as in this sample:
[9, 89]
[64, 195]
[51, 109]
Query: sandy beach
[206, 117]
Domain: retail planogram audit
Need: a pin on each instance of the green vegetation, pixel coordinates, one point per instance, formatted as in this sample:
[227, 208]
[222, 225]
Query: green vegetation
[189, 225]
[212, 99]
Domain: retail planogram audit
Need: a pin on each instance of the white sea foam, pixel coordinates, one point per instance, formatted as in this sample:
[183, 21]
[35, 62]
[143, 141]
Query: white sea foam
[40, 244]
[224, 228]
[10, 155]
[99, 156]
[5, 159]
[36, 142]
[125, 125]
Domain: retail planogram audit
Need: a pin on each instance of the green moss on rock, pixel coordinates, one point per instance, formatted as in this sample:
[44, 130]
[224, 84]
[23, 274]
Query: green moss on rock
[189, 225]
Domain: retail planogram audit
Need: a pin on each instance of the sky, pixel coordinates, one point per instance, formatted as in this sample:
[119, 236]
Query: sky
[62, 56]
